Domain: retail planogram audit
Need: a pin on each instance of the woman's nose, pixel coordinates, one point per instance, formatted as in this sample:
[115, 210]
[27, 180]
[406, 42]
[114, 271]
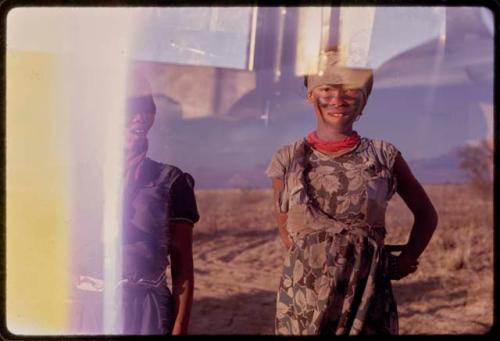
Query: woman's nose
[336, 97]
[137, 117]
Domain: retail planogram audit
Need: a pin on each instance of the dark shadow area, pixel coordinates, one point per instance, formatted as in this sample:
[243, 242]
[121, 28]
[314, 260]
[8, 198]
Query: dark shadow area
[244, 314]
[428, 290]
[411, 292]
[261, 234]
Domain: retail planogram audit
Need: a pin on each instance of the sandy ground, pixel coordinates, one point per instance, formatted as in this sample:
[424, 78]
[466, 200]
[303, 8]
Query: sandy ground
[238, 259]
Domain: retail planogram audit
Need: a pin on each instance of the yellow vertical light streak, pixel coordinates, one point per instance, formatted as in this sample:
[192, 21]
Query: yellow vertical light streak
[82, 79]
[37, 264]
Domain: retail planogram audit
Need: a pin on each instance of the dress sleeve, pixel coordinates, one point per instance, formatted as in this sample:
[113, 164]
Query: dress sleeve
[184, 207]
[278, 164]
[388, 154]
[385, 153]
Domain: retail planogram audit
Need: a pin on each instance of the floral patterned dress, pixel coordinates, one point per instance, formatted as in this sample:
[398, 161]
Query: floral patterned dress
[335, 278]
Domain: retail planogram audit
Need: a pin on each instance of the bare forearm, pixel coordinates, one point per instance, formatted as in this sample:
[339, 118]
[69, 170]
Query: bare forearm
[182, 276]
[424, 213]
[281, 218]
[421, 233]
[182, 287]
[285, 237]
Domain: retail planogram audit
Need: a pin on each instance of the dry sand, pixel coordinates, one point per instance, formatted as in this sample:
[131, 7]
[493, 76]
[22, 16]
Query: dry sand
[238, 257]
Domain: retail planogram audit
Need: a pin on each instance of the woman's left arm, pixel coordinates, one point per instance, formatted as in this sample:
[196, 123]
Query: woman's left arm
[182, 275]
[424, 213]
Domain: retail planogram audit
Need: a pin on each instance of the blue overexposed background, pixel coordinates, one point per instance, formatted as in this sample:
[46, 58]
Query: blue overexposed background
[433, 90]
[229, 92]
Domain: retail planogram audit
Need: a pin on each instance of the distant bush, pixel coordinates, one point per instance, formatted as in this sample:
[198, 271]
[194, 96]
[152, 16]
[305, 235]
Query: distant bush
[477, 163]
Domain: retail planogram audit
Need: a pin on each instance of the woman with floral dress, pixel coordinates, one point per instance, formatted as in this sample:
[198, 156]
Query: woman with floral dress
[331, 192]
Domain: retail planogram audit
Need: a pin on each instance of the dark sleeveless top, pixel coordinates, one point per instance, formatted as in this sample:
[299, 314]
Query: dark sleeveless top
[163, 194]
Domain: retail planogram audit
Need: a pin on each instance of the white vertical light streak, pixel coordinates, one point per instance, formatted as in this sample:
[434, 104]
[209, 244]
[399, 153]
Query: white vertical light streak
[214, 17]
[487, 109]
[96, 63]
[92, 45]
[308, 40]
[435, 73]
[279, 43]
[356, 28]
[326, 14]
[253, 32]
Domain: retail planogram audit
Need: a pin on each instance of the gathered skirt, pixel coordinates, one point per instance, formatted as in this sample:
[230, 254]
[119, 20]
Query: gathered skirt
[146, 310]
[335, 284]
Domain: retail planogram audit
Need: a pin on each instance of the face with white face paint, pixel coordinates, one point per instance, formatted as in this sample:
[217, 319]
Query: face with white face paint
[337, 105]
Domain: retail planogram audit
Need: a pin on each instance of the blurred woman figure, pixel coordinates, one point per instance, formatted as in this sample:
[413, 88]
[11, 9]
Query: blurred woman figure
[331, 191]
[159, 213]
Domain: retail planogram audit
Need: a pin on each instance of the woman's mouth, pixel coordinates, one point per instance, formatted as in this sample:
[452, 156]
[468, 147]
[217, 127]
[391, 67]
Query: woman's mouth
[138, 131]
[337, 113]
[336, 110]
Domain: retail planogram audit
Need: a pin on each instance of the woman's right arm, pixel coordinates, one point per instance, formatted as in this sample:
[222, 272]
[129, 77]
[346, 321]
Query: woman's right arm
[424, 213]
[280, 217]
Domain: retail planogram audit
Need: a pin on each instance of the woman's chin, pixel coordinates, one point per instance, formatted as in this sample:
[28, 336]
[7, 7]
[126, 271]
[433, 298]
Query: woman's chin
[133, 141]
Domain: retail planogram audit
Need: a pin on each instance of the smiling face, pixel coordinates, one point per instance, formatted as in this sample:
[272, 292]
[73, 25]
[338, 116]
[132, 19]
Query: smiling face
[140, 117]
[337, 105]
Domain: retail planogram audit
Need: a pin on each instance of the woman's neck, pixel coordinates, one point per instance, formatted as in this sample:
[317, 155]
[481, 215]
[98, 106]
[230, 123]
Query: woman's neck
[333, 134]
[136, 148]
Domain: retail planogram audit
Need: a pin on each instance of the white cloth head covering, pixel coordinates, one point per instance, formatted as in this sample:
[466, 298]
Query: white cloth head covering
[332, 72]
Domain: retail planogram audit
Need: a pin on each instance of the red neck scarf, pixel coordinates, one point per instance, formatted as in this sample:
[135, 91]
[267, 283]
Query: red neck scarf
[333, 146]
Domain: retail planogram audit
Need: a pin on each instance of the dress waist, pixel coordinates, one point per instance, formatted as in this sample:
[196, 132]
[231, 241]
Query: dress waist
[303, 220]
[153, 281]
[375, 234]
[88, 283]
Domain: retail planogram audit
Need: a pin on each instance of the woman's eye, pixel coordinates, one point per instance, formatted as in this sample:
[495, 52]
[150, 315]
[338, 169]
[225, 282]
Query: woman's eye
[351, 93]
